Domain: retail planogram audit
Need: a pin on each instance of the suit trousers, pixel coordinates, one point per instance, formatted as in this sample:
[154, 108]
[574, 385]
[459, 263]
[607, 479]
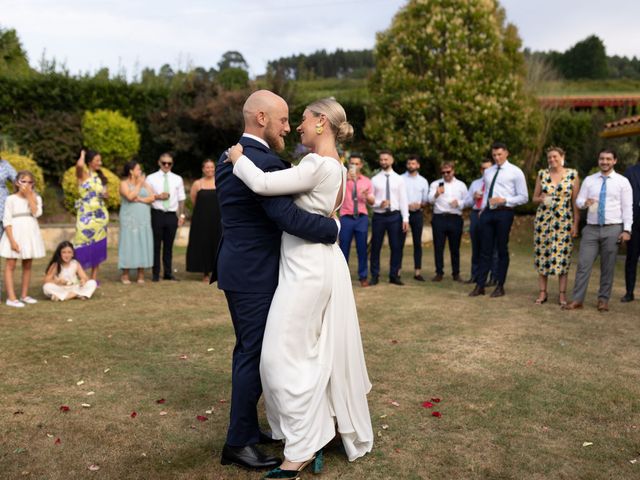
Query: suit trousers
[249, 316]
[495, 227]
[164, 226]
[416, 222]
[447, 227]
[357, 227]
[390, 223]
[597, 240]
[633, 254]
[476, 238]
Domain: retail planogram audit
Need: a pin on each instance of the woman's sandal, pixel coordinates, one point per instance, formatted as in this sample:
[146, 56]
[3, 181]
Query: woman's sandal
[562, 303]
[316, 462]
[542, 299]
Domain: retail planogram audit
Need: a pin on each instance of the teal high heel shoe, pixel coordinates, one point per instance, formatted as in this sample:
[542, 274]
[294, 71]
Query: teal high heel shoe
[316, 462]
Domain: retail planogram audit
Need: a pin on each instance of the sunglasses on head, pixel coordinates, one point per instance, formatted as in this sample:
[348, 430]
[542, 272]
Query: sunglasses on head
[167, 164]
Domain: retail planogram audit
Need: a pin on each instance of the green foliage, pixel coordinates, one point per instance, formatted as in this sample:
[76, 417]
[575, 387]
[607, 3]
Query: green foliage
[70, 189]
[116, 137]
[232, 59]
[23, 162]
[586, 59]
[320, 64]
[233, 78]
[13, 59]
[449, 82]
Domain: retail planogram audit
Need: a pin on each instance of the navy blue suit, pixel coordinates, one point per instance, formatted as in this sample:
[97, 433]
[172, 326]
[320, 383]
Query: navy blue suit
[633, 246]
[247, 271]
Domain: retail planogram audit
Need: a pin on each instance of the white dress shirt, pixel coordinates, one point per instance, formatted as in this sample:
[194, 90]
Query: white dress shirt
[618, 206]
[510, 184]
[470, 201]
[176, 190]
[453, 190]
[398, 193]
[417, 188]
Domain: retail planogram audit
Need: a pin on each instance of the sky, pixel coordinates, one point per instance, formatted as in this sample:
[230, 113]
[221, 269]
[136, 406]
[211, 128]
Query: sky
[87, 35]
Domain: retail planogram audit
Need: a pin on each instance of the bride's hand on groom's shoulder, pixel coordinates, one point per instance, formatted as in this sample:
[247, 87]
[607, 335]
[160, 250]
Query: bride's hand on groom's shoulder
[234, 153]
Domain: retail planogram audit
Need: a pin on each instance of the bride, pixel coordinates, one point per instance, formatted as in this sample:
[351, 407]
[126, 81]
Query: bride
[312, 366]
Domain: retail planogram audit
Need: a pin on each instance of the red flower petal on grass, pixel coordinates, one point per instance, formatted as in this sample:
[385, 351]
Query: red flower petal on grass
[134, 414]
[223, 400]
[436, 414]
[427, 404]
[435, 400]
[64, 408]
[162, 400]
[57, 442]
[202, 418]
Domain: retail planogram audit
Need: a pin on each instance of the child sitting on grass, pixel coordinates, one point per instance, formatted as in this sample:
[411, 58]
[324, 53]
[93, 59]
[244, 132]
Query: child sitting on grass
[65, 279]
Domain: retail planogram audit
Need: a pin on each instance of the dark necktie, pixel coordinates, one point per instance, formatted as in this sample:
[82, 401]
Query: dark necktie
[355, 198]
[388, 193]
[493, 182]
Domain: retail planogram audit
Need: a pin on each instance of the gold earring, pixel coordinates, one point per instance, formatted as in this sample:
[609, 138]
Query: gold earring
[319, 129]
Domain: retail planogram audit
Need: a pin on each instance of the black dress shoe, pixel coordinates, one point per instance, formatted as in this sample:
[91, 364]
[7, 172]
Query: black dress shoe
[248, 457]
[419, 278]
[266, 438]
[628, 297]
[498, 292]
[477, 291]
[437, 278]
[170, 277]
[396, 281]
[457, 278]
[374, 281]
[155, 279]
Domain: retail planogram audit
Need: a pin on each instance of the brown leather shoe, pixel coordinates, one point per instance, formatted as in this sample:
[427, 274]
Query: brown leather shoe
[476, 291]
[364, 282]
[437, 278]
[572, 306]
[457, 278]
[498, 292]
[603, 306]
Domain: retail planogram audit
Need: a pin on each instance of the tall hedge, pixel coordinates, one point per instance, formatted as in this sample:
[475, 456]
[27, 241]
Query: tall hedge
[23, 162]
[115, 136]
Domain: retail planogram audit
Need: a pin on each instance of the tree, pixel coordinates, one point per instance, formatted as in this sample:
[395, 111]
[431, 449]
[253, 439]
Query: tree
[232, 59]
[586, 59]
[13, 59]
[449, 82]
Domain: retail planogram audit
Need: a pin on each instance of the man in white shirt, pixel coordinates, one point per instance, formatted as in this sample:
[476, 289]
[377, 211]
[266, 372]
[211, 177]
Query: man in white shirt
[608, 196]
[417, 197]
[505, 189]
[447, 195]
[390, 215]
[167, 214]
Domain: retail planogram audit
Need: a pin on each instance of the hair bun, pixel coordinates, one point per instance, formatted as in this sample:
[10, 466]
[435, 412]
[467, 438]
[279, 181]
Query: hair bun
[345, 131]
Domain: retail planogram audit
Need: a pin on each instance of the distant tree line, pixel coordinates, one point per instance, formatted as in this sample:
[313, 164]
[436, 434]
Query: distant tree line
[320, 64]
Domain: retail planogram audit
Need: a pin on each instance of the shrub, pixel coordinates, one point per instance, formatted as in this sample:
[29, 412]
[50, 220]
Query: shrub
[24, 162]
[116, 137]
[70, 188]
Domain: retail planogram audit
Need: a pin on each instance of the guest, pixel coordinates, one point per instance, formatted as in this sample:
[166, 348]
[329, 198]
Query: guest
[354, 220]
[92, 217]
[206, 228]
[506, 188]
[447, 196]
[135, 244]
[474, 201]
[609, 198]
[7, 174]
[417, 197]
[556, 222]
[633, 246]
[22, 238]
[390, 215]
[167, 214]
[65, 279]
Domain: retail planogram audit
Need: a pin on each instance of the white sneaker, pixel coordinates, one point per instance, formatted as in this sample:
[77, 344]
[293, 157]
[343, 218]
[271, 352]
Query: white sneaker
[29, 300]
[14, 303]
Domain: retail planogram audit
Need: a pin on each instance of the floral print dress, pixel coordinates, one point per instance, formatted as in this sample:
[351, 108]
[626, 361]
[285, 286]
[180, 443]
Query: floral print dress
[91, 223]
[552, 240]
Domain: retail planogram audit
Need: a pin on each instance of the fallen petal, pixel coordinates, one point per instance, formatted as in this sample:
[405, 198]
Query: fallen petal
[383, 416]
[107, 370]
[163, 413]
[208, 412]
[587, 444]
[69, 319]
[202, 418]
[81, 382]
[210, 349]
[384, 427]
[436, 414]
[134, 414]
[427, 404]
[183, 357]
[49, 435]
[223, 400]
[162, 400]
[93, 467]
[435, 400]
[66, 356]
[90, 393]
[395, 404]
[64, 408]
[57, 442]
[86, 405]
[394, 342]
[379, 433]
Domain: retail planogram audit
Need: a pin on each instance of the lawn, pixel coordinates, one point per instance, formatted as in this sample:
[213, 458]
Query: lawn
[527, 392]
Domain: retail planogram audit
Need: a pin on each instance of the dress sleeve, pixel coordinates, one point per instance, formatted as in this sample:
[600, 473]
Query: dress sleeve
[7, 218]
[38, 206]
[303, 178]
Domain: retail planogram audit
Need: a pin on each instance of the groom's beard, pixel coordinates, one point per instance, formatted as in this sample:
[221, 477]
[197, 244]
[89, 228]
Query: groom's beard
[275, 141]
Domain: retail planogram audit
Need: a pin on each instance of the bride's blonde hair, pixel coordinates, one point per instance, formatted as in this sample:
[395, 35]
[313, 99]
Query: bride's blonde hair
[330, 108]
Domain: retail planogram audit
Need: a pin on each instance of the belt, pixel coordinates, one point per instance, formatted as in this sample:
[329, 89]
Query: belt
[352, 215]
[596, 225]
[448, 214]
[162, 211]
[415, 211]
[387, 214]
[499, 208]
[22, 214]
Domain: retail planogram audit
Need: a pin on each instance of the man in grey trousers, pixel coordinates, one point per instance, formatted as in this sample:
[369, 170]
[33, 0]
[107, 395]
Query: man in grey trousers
[609, 199]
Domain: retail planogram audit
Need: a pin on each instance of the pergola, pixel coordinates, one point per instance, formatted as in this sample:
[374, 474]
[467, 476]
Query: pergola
[625, 127]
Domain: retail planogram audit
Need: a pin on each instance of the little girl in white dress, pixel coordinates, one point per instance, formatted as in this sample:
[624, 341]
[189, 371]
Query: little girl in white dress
[22, 239]
[65, 278]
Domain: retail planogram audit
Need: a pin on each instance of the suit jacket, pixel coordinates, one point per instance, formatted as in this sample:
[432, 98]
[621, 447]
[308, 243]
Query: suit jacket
[633, 175]
[252, 225]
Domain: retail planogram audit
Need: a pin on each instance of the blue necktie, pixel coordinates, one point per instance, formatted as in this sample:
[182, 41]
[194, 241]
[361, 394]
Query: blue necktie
[602, 200]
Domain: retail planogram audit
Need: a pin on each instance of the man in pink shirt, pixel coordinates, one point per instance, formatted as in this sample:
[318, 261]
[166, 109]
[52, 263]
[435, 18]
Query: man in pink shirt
[354, 219]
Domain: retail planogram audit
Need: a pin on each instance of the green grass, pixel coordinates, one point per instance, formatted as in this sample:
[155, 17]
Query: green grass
[522, 386]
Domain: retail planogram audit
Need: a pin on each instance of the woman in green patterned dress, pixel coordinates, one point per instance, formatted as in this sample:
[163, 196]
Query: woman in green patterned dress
[556, 222]
[92, 216]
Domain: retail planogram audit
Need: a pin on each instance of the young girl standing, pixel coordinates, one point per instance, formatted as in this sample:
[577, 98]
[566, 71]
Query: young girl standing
[65, 279]
[22, 238]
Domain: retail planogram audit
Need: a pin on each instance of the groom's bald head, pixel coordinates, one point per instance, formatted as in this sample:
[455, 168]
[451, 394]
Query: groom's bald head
[266, 115]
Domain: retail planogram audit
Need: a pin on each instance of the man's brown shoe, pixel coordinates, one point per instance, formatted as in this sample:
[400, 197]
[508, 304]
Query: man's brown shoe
[498, 292]
[364, 282]
[457, 278]
[437, 278]
[603, 306]
[476, 291]
[572, 306]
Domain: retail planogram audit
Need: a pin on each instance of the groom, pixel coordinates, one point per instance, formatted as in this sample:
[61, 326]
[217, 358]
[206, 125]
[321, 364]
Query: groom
[248, 261]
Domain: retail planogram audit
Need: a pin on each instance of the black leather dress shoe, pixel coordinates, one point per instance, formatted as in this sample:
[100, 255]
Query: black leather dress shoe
[457, 278]
[248, 457]
[628, 297]
[477, 291]
[155, 279]
[396, 281]
[437, 278]
[419, 278]
[170, 277]
[498, 292]
[374, 281]
[266, 438]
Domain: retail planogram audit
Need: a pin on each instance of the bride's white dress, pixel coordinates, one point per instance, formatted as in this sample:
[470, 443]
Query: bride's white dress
[313, 370]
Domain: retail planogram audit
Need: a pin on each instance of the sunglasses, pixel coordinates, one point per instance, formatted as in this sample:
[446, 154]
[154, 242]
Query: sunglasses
[446, 172]
[24, 182]
[167, 164]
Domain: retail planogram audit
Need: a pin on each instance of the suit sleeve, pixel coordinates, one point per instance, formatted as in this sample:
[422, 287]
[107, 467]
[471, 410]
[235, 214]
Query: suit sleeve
[303, 178]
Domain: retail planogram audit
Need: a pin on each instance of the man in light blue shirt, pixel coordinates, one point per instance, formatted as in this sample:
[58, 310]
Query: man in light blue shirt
[7, 174]
[505, 189]
[417, 197]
